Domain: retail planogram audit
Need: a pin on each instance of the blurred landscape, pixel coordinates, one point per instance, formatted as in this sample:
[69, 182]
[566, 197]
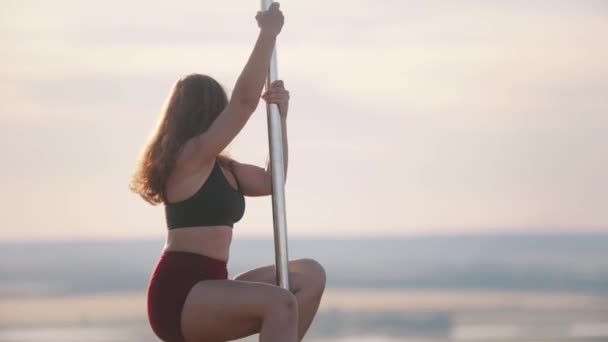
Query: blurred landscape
[409, 120]
[507, 287]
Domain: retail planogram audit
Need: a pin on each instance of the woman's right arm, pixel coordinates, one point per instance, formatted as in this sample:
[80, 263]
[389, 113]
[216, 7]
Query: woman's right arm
[246, 94]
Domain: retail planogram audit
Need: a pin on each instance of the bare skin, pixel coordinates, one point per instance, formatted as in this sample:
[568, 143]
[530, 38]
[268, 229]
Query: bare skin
[251, 302]
[225, 310]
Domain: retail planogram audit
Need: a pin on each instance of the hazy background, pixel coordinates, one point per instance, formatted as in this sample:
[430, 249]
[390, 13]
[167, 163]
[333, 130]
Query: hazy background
[405, 117]
[500, 287]
[467, 138]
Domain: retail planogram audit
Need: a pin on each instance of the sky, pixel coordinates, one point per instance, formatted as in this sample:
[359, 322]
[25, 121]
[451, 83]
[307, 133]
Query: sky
[406, 117]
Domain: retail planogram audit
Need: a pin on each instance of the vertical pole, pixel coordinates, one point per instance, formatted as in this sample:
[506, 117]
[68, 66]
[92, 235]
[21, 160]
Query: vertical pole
[275, 140]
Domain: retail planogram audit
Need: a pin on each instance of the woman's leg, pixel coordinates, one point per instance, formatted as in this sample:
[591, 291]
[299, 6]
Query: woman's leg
[225, 310]
[307, 280]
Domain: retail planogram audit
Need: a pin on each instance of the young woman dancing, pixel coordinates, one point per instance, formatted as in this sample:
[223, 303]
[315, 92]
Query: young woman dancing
[184, 166]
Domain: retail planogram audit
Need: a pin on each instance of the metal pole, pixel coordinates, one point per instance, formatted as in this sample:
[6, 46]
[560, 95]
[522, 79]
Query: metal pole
[275, 140]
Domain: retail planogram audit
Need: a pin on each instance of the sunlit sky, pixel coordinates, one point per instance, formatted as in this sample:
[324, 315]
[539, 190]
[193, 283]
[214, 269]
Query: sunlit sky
[406, 117]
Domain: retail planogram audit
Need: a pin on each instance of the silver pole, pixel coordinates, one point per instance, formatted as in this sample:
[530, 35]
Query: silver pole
[275, 140]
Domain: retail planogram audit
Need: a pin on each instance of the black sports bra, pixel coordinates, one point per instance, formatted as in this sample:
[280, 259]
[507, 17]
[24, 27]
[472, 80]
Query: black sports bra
[217, 202]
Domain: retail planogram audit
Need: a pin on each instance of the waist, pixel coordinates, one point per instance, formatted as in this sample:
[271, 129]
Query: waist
[187, 265]
[211, 241]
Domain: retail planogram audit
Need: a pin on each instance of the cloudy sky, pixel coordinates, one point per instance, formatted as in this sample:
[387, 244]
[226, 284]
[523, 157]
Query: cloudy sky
[406, 117]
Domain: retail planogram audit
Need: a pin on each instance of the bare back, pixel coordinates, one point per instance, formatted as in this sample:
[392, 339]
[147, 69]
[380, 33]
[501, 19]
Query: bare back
[182, 183]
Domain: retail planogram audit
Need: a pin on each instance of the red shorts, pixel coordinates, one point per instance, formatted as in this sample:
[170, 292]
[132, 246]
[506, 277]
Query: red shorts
[173, 277]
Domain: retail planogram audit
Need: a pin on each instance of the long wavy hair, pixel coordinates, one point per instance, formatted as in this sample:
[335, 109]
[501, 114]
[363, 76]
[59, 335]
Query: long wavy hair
[194, 102]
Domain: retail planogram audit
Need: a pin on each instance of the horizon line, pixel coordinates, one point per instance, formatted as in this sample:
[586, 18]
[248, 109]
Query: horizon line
[367, 236]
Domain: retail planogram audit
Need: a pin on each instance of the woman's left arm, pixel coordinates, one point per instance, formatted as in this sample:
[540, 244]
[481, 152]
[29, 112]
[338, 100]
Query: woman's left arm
[285, 148]
[254, 180]
[279, 95]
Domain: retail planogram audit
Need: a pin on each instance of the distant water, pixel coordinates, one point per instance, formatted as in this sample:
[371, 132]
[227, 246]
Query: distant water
[564, 264]
[66, 334]
[549, 262]
[580, 331]
[515, 332]
[105, 334]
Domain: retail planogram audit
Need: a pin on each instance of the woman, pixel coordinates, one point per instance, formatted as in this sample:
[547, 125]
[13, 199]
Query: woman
[189, 295]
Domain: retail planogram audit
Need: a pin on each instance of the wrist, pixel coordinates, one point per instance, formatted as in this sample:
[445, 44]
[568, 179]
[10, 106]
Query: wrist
[267, 34]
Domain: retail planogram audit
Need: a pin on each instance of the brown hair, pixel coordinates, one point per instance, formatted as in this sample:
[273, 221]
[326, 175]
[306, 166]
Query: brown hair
[194, 102]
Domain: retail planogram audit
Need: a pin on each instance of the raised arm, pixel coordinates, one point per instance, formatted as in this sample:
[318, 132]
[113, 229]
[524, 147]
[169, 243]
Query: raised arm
[246, 94]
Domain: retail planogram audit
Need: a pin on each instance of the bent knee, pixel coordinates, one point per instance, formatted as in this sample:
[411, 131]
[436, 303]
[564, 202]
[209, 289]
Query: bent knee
[284, 302]
[318, 274]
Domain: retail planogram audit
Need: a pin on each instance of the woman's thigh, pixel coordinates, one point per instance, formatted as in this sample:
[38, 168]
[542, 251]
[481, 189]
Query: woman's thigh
[305, 272]
[225, 310]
